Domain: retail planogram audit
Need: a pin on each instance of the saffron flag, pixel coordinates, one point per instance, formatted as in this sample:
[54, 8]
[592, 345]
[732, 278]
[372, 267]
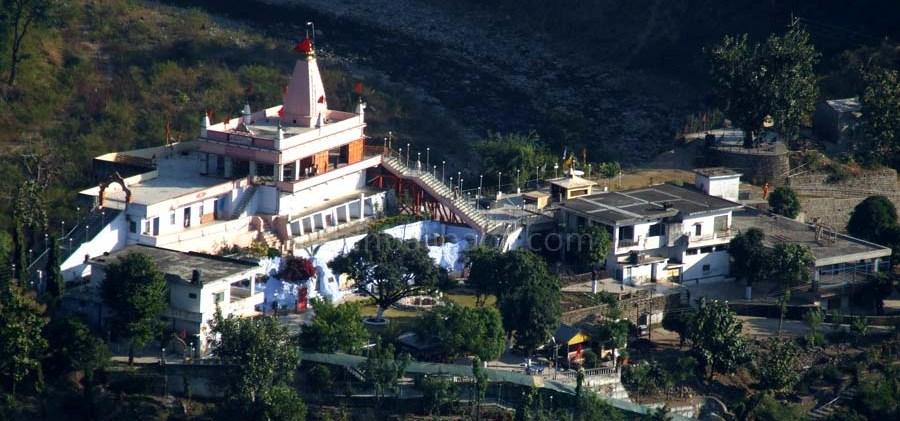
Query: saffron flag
[281, 112]
[358, 88]
[322, 99]
[304, 46]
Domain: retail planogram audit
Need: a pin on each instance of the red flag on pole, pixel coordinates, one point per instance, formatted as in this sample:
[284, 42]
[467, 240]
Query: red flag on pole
[209, 114]
[304, 46]
[358, 88]
[281, 112]
[322, 99]
[227, 120]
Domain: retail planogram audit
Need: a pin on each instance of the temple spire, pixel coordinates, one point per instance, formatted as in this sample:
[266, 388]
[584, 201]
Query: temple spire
[305, 103]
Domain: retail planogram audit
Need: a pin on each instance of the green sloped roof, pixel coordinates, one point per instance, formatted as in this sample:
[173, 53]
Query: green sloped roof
[419, 367]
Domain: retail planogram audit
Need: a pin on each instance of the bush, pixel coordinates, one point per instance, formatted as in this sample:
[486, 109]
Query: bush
[784, 201]
[591, 360]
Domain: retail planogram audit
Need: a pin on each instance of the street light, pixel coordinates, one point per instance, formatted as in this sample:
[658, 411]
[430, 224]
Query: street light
[63, 232]
[427, 157]
[407, 155]
[443, 167]
[434, 171]
[517, 177]
[480, 183]
[499, 185]
[555, 170]
[459, 179]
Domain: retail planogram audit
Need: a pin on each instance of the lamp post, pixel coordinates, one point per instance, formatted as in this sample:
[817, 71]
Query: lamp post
[434, 171]
[459, 179]
[443, 167]
[46, 241]
[517, 178]
[451, 183]
[555, 170]
[427, 157]
[63, 229]
[400, 154]
[480, 183]
[499, 182]
[390, 139]
[407, 155]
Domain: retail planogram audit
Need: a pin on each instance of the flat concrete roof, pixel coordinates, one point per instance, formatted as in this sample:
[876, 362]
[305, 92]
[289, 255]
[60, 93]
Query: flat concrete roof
[716, 172]
[778, 229]
[646, 203]
[179, 175]
[178, 266]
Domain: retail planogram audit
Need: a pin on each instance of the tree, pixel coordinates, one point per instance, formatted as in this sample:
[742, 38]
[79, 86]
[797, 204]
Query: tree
[813, 319]
[282, 403]
[591, 407]
[591, 244]
[528, 297]
[510, 153]
[794, 264]
[784, 201]
[334, 328]
[716, 338]
[660, 414]
[21, 15]
[778, 370]
[437, 391]
[881, 115]
[484, 270]
[750, 259]
[782, 303]
[612, 333]
[259, 354]
[73, 347]
[56, 285]
[136, 291]
[382, 369]
[388, 269]
[296, 269]
[776, 78]
[763, 407]
[461, 330]
[871, 218]
[21, 342]
[321, 379]
[481, 385]
[679, 321]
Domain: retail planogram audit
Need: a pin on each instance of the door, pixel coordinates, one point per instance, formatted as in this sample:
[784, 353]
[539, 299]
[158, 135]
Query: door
[302, 295]
[187, 217]
[155, 226]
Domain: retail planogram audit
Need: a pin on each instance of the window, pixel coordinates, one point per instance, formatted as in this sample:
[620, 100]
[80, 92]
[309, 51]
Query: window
[147, 227]
[705, 250]
[657, 230]
[626, 233]
[132, 226]
[691, 252]
[219, 297]
[722, 247]
[172, 218]
[192, 295]
[705, 268]
[201, 210]
[697, 229]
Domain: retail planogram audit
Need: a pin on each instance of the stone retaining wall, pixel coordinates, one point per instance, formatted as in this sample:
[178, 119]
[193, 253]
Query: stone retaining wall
[757, 168]
[870, 181]
[631, 309]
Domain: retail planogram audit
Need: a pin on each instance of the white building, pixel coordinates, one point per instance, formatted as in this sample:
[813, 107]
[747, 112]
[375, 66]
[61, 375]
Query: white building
[197, 282]
[659, 233]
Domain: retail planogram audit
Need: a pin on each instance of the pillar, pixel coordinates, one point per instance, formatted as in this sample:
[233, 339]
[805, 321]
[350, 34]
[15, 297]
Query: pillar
[347, 211]
[362, 205]
[296, 170]
[301, 227]
[278, 172]
[253, 284]
[228, 164]
[876, 261]
[253, 168]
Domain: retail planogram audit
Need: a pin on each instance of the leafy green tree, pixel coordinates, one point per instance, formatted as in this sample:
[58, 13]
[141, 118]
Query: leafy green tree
[716, 338]
[859, 327]
[528, 297]
[73, 347]
[481, 384]
[778, 370]
[784, 201]
[321, 378]
[382, 369]
[460, 330]
[258, 249]
[687, 370]
[21, 343]
[56, 285]
[750, 259]
[775, 78]
[679, 321]
[21, 16]
[6, 247]
[591, 244]
[437, 392]
[282, 403]
[484, 271]
[782, 303]
[388, 269]
[510, 152]
[881, 115]
[814, 319]
[259, 354]
[137, 293]
[591, 407]
[612, 333]
[334, 328]
[793, 264]
[871, 218]
[878, 398]
[764, 407]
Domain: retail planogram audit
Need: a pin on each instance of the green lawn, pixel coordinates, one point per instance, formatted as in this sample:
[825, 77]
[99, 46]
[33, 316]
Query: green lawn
[468, 300]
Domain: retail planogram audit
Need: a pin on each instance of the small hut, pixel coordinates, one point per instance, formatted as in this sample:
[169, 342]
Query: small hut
[573, 339]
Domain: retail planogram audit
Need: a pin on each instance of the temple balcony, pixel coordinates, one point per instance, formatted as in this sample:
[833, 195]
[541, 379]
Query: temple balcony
[334, 170]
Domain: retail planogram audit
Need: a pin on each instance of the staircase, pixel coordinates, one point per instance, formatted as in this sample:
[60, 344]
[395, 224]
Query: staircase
[471, 216]
[826, 410]
[244, 201]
